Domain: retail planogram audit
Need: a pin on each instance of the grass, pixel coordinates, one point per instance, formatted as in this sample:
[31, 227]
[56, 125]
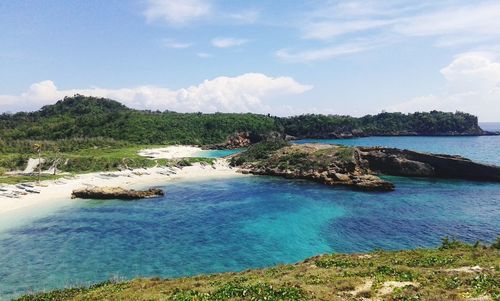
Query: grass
[325, 277]
[26, 179]
[89, 160]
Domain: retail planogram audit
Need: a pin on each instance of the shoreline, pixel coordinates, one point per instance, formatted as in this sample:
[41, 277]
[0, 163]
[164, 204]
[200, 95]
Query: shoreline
[53, 191]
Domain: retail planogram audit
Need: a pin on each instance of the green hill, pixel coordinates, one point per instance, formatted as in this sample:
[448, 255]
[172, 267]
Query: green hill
[90, 117]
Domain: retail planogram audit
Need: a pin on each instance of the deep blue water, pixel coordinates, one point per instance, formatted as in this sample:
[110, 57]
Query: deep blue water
[232, 224]
[484, 149]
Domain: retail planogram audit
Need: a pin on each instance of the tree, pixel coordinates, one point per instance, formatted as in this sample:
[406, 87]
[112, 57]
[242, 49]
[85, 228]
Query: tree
[38, 149]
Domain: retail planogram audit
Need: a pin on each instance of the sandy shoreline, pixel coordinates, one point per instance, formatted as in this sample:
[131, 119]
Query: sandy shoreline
[60, 190]
[171, 152]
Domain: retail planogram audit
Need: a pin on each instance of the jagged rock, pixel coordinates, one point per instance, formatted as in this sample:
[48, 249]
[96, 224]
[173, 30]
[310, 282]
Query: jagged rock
[115, 193]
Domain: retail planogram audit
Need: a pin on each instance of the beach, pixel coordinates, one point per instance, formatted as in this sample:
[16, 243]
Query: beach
[171, 152]
[60, 190]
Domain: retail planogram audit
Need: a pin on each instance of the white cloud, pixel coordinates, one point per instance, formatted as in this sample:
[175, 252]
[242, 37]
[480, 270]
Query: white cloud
[175, 12]
[447, 23]
[465, 21]
[472, 85]
[228, 42]
[170, 43]
[249, 92]
[326, 53]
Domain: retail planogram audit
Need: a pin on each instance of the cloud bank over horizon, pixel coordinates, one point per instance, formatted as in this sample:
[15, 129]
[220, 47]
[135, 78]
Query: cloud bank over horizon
[249, 92]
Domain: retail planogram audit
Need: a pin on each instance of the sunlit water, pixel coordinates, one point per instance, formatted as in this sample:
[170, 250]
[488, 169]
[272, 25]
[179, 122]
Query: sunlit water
[237, 223]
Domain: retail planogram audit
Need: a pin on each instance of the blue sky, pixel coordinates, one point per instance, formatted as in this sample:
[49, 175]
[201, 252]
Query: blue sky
[280, 57]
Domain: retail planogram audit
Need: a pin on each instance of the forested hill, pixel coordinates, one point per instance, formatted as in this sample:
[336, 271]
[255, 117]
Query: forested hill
[86, 117]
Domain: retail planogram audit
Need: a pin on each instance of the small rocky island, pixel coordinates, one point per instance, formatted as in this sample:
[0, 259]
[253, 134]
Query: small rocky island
[355, 167]
[116, 193]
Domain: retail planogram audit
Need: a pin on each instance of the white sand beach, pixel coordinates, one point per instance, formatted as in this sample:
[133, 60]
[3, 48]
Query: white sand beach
[171, 152]
[60, 190]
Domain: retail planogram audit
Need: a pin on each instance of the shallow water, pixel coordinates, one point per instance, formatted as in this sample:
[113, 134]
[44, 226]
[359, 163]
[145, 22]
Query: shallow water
[237, 223]
[484, 149]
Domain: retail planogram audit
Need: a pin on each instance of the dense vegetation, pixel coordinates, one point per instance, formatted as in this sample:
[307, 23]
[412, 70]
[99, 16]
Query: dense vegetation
[432, 123]
[455, 271]
[86, 117]
[82, 117]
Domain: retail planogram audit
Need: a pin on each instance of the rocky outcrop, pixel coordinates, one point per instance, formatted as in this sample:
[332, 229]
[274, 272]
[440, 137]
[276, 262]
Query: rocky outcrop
[238, 140]
[327, 164]
[115, 193]
[359, 167]
[392, 161]
[354, 181]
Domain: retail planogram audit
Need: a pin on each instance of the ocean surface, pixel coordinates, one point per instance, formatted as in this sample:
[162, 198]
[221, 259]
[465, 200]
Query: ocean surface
[232, 224]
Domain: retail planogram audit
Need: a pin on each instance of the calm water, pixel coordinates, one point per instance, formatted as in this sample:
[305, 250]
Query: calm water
[484, 149]
[237, 223]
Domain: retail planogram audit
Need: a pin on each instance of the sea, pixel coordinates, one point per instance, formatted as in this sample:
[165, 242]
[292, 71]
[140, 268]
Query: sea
[232, 224]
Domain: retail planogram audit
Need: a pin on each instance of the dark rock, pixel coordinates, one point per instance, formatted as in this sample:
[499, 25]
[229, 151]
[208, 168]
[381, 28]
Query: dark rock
[399, 162]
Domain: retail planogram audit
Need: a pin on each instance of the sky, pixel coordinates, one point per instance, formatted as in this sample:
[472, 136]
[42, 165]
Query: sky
[281, 57]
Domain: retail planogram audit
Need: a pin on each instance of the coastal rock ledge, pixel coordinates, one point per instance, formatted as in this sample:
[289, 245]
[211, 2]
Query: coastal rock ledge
[115, 193]
[356, 167]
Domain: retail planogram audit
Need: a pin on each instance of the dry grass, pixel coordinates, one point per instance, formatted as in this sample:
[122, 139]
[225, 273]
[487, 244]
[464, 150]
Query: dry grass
[404, 275]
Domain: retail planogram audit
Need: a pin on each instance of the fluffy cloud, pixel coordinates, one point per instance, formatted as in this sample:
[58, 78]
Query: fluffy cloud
[176, 12]
[472, 85]
[245, 93]
[228, 42]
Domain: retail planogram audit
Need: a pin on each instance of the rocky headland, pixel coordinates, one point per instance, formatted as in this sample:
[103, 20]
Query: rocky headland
[356, 167]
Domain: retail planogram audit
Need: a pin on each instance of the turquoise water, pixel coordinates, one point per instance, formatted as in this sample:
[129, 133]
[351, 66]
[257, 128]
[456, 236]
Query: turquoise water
[237, 223]
[218, 153]
[484, 149]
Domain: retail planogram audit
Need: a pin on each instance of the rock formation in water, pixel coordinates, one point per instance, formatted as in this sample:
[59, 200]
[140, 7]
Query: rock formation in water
[393, 161]
[358, 167]
[115, 193]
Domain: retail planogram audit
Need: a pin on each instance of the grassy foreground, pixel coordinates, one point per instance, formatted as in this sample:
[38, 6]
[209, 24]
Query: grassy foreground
[454, 271]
